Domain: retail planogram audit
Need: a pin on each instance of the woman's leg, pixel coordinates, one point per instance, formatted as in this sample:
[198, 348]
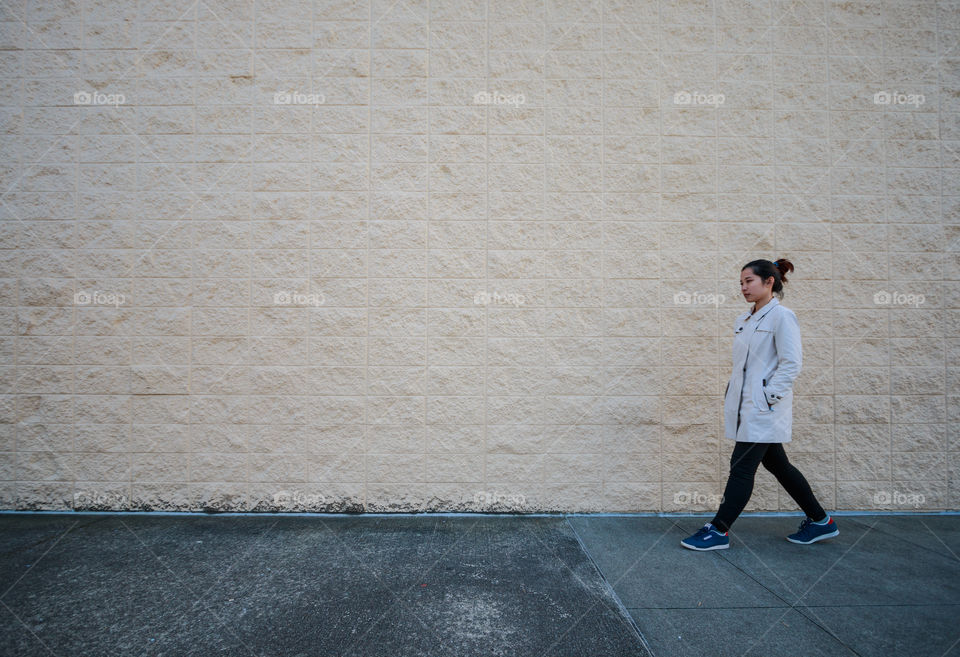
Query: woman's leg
[793, 481]
[744, 462]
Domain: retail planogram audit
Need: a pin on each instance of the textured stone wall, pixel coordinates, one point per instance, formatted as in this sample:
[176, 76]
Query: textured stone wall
[470, 254]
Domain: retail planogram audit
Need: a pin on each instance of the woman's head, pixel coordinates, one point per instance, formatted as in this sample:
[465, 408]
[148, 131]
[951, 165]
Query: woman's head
[761, 278]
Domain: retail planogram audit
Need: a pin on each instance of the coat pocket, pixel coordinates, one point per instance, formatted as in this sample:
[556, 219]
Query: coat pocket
[760, 400]
[762, 333]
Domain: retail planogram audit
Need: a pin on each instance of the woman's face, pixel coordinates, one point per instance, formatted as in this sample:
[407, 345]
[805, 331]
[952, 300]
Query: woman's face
[752, 287]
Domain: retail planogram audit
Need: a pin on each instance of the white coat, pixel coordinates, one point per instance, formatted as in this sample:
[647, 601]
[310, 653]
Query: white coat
[766, 359]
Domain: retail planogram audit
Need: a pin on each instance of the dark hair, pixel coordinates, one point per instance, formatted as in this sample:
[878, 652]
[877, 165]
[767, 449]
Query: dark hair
[778, 269]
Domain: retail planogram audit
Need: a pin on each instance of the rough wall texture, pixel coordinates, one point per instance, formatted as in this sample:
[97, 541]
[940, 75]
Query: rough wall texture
[470, 254]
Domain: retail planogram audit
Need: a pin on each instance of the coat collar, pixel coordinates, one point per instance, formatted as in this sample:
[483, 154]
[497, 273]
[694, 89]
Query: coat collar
[760, 314]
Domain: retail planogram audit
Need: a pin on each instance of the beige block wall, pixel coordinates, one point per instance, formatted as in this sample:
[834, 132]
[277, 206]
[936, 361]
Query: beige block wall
[470, 254]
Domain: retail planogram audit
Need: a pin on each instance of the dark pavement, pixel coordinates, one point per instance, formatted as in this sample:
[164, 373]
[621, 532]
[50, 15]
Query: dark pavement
[532, 586]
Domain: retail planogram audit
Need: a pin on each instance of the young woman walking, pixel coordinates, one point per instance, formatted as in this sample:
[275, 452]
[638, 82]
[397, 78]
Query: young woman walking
[758, 409]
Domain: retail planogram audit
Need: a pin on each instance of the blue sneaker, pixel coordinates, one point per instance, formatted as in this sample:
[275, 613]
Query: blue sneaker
[811, 532]
[707, 538]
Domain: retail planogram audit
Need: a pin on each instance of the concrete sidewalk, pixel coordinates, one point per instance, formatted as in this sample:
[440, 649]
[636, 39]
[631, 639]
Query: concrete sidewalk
[887, 585]
[285, 585]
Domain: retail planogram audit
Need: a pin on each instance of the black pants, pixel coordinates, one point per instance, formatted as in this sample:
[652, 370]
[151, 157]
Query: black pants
[744, 461]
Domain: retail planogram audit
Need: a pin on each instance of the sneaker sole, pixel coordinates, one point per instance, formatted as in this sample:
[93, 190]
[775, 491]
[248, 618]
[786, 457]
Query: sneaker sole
[705, 549]
[835, 532]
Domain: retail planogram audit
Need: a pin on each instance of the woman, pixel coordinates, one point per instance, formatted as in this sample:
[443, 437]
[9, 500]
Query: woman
[757, 409]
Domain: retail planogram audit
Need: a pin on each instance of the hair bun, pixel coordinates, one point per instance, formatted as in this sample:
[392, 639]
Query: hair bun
[782, 267]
